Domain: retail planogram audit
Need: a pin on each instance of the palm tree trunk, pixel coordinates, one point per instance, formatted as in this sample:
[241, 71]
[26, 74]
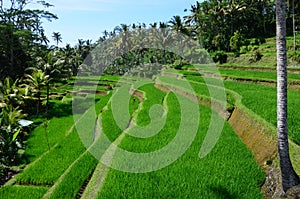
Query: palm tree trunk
[48, 93]
[294, 24]
[289, 176]
[38, 104]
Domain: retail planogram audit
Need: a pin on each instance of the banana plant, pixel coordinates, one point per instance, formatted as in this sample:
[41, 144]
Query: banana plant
[10, 93]
[10, 130]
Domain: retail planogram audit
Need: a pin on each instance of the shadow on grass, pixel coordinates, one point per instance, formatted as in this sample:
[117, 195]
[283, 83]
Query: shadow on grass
[222, 193]
[59, 109]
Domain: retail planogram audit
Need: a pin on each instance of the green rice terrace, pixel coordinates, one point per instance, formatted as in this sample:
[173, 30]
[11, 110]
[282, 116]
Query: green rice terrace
[203, 105]
[58, 164]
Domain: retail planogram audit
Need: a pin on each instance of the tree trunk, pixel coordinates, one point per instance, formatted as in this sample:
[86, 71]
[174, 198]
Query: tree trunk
[48, 93]
[38, 105]
[289, 176]
[294, 25]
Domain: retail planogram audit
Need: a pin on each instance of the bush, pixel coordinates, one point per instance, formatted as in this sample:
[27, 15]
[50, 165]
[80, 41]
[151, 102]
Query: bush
[254, 42]
[255, 48]
[255, 56]
[10, 130]
[244, 49]
[219, 56]
[236, 41]
[296, 56]
[262, 40]
[257, 41]
[178, 64]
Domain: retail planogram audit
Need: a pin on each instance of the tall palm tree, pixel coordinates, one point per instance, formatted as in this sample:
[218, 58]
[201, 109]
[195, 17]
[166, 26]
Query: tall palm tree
[289, 176]
[164, 37]
[177, 24]
[57, 38]
[52, 64]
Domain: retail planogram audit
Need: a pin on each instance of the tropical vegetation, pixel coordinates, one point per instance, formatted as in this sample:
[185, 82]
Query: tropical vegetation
[233, 41]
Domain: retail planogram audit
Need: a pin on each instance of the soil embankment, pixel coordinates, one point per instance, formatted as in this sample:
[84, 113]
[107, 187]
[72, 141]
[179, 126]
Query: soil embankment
[256, 136]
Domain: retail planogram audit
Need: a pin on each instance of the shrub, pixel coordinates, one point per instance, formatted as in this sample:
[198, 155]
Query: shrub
[244, 49]
[262, 40]
[219, 56]
[178, 64]
[254, 42]
[254, 48]
[296, 56]
[255, 56]
[257, 41]
[10, 141]
[236, 41]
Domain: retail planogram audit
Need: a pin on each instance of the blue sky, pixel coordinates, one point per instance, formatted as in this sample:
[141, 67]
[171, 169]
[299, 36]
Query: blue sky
[87, 19]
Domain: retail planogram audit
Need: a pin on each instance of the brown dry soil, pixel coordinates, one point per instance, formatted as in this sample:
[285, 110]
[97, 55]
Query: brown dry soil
[255, 136]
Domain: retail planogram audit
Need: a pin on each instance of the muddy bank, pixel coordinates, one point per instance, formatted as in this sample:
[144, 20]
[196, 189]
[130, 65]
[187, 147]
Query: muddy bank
[255, 136]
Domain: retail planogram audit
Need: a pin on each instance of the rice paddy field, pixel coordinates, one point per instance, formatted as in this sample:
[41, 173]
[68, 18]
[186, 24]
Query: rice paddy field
[70, 165]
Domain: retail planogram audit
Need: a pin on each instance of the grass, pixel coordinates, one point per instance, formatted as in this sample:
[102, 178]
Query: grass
[109, 125]
[205, 88]
[238, 73]
[255, 74]
[262, 100]
[156, 97]
[21, 192]
[153, 97]
[50, 167]
[72, 182]
[36, 145]
[268, 50]
[229, 171]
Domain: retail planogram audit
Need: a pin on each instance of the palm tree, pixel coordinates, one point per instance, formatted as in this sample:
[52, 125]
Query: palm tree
[37, 80]
[57, 38]
[289, 176]
[164, 37]
[52, 64]
[180, 27]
